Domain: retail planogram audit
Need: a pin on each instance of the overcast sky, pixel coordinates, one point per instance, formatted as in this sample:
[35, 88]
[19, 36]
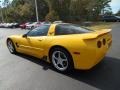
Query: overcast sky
[115, 4]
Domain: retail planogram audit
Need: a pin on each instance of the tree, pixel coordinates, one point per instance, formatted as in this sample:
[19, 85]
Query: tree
[118, 13]
[6, 3]
[24, 10]
[62, 7]
[52, 16]
[107, 11]
[88, 9]
[66, 10]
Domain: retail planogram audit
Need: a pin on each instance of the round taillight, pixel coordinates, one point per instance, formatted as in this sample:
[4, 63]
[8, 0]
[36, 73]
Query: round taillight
[99, 44]
[104, 41]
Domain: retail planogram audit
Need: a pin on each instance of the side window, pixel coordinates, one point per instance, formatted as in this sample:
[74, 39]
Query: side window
[60, 30]
[40, 31]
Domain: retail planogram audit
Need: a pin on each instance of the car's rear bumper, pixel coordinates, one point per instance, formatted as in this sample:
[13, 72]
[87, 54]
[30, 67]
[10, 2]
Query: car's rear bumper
[90, 57]
[86, 62]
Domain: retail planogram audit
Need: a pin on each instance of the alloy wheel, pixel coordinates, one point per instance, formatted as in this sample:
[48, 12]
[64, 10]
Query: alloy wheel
[60, 60]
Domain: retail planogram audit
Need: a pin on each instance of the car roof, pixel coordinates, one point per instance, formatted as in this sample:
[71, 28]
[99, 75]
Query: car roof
[58, 24]
[62, 23]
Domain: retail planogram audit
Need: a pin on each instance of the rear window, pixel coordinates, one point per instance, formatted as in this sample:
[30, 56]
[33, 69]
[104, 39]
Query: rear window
[66, 29]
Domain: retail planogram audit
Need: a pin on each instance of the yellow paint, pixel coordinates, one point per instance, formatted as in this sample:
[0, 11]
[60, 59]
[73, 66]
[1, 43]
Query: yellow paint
[86, 44]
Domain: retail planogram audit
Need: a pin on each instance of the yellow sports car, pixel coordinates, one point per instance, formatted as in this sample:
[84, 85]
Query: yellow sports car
[66, 46]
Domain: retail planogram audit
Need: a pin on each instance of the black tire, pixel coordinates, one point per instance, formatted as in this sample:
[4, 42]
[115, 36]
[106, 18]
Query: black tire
[12, 51]
[70, 65]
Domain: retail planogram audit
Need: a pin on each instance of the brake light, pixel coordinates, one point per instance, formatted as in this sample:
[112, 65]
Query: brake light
[99, 44]
[104, 41]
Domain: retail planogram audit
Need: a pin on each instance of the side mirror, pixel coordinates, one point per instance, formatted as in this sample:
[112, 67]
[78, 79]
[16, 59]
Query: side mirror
[25, 35]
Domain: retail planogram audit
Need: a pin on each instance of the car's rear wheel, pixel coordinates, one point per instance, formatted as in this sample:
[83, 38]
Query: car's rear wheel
[61, 60]
[11, 46]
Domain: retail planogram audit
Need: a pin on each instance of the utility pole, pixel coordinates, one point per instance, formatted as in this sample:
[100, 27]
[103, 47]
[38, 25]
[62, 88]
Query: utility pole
[36, 7]
[1, 11]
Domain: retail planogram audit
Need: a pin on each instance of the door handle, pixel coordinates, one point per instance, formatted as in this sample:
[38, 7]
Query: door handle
[40, 39]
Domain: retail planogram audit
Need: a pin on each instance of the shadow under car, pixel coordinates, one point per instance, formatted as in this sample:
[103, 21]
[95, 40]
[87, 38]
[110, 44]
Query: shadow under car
[104, 76]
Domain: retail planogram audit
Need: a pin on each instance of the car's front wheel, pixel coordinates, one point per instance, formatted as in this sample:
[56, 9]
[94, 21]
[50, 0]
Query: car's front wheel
[11, 46]
[61, 60]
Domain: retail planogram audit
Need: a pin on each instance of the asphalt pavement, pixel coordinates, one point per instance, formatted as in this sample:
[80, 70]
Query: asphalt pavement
[22, 72]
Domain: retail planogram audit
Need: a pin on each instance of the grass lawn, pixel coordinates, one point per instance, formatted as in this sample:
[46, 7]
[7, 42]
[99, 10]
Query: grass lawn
[101, 25]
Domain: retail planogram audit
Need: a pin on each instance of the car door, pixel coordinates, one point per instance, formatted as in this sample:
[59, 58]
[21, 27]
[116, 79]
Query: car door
[23, 44]
[37, 39]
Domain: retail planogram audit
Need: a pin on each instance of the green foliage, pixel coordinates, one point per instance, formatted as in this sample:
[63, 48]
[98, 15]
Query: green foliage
[66, 10]
[88, 9]
[52, 16]
[108, 13]
[118, 13]
[62, 7]
[24, 10]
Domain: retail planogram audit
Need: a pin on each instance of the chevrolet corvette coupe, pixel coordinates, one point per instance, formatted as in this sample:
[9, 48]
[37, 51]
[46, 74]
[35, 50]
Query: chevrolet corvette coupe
[66, 46]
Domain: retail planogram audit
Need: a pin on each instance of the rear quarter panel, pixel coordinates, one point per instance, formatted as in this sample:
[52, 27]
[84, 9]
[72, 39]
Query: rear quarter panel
[70, 43]
[89, 55]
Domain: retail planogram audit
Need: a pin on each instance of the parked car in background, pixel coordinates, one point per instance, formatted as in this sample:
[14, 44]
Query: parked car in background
[2, 25]
[9, 25]
[32, 25]
[6, 25]
[37, 25]
[23, 25]
[15, 25]
[41, 23]
[111, 18]
[12, 25]
[27, 25]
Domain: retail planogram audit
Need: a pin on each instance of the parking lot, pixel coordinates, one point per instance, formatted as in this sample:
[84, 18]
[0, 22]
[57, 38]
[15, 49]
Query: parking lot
[22, 72]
